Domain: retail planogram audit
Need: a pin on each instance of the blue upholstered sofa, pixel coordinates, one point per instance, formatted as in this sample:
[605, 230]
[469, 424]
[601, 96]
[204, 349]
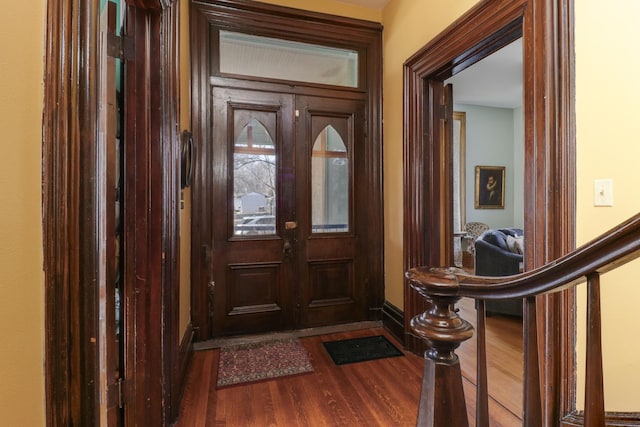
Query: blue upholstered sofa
[500, 253]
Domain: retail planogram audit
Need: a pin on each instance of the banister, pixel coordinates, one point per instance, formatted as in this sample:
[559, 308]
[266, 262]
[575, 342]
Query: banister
[610, 250]
[443, 330]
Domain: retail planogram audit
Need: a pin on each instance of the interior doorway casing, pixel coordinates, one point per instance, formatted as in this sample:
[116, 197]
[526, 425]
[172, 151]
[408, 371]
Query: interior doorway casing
[546, 27]
[78, 391]
[281, 22]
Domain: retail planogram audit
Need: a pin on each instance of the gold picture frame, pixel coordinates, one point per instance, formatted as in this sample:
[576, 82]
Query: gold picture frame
[490, 184]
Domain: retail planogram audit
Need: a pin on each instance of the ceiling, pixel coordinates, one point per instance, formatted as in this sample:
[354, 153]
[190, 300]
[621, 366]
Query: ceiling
[495, 81]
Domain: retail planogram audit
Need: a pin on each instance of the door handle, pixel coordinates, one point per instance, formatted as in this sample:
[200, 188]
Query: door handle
[287, 248]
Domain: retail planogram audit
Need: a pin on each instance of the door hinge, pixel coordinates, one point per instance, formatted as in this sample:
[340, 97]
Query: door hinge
[120, 47]
[119, 393]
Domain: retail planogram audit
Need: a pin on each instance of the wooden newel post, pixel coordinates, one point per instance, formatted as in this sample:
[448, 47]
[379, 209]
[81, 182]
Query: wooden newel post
[442, 398]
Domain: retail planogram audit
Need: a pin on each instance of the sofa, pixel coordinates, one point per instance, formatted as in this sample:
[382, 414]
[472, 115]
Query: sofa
[500, 253]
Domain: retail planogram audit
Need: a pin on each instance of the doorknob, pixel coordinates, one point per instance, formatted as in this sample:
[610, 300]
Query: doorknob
[286, 249]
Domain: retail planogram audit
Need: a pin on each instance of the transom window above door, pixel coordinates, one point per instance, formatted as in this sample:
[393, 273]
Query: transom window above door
[272, 58]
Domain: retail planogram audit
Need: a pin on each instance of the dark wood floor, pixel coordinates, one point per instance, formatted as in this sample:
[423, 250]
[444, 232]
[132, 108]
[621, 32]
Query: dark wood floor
[376, 393]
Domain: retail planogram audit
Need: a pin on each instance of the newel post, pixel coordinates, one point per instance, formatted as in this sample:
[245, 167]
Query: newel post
[442, 398]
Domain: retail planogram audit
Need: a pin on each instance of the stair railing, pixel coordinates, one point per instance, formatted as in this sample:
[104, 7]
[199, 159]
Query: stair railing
[442, 401]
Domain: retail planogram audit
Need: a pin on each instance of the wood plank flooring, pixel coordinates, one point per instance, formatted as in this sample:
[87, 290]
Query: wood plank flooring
[375, 393]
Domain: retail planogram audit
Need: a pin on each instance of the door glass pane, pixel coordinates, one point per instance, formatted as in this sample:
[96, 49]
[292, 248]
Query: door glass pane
[248, 55]
[329, 183]
[254, 181]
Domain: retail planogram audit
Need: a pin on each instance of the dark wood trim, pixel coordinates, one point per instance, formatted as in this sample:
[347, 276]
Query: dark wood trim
[302, 21]
[70, 215]
[495, 24]
[267, 19]
[143, 282]
[550, 132]
[614, 419]
[181, 371]
[547, 29]
[152, 197]
[171, 143]
[393, 321]
[201, 270]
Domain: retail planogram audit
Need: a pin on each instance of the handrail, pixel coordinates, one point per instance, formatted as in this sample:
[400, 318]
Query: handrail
[616, 247]
[442, 399]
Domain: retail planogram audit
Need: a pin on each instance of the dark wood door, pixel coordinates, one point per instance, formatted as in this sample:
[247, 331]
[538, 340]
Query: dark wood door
[283, 211]
[331, 206]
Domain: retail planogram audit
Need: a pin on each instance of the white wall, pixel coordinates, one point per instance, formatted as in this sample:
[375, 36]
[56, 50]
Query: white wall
[493, 138]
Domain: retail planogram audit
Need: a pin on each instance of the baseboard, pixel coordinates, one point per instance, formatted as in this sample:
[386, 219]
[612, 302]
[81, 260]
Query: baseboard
[185, 356]
[186, 350]
[393, 321]
[299, 333]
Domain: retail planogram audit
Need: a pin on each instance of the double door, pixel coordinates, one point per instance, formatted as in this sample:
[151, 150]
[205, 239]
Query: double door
[286, 214]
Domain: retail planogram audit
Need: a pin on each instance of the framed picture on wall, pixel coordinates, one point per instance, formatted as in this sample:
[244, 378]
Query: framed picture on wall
[490, 187]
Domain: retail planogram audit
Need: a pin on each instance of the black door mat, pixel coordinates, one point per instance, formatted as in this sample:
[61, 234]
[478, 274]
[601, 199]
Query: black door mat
[360, 349]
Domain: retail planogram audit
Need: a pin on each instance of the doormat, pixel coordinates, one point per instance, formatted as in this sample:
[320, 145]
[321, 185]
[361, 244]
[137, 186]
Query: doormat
[360, 349]
[253, 362]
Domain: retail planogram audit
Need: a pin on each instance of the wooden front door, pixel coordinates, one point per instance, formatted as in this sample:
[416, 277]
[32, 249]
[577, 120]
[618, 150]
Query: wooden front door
[285, 211]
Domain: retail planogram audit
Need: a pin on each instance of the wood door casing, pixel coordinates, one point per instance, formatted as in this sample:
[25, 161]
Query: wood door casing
[549, 145]
[207, 18]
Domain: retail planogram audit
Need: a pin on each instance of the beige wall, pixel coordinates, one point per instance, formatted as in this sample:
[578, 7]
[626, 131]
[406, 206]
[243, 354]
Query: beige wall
[21, 274]
[608, 146]
[607, 103]
[408, 25]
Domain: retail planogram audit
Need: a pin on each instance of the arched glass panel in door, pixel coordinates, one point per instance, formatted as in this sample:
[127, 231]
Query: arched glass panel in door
[254, 181]
[329, 183]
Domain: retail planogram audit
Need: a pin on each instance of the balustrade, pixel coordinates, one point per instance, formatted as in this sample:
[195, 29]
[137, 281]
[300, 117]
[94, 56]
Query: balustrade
[442, 400]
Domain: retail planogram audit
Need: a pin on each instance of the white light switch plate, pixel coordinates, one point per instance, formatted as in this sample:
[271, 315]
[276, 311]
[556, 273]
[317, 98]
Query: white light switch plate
[603, 192]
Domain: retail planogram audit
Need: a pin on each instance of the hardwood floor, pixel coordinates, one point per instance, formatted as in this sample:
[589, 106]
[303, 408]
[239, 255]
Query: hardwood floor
[376, 393]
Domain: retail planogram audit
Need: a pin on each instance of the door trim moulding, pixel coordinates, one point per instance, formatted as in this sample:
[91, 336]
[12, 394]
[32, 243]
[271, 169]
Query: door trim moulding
[73, 213]
[547, 30]
[302, 26]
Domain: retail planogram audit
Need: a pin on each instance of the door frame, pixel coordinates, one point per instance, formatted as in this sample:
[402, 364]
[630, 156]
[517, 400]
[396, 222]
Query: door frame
[74, 211]
[303, 26]
[547, 30]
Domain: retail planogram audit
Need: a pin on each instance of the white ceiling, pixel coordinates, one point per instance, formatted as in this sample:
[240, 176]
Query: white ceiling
[496, 81]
